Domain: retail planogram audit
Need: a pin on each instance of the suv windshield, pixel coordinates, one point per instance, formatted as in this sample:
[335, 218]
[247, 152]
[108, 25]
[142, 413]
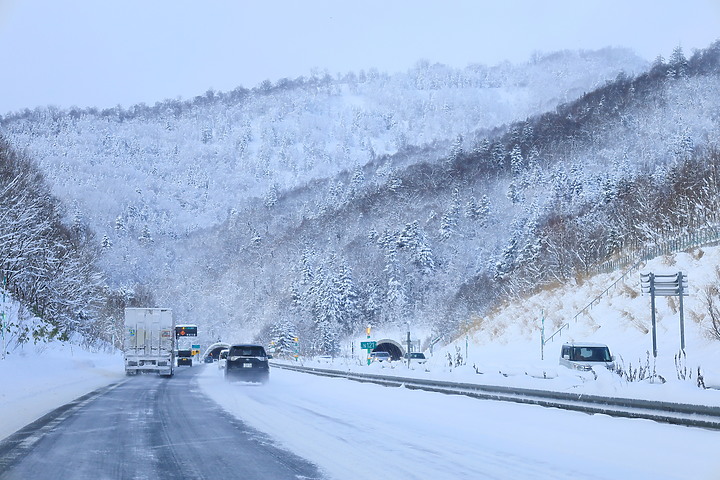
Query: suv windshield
[247, 352]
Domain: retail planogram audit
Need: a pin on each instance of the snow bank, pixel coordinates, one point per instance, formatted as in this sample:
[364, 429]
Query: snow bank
[39, 378]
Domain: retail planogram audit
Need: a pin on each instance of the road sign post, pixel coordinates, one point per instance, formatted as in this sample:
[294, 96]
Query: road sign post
[672, 285]
[369, 346]
[369, 349]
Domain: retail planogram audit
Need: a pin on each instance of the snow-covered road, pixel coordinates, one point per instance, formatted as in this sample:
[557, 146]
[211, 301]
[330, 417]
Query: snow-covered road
[355, 430]
[147, 427]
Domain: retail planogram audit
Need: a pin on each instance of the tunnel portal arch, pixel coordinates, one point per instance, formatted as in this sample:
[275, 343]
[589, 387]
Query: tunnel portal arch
[395, 350]
[214, 350]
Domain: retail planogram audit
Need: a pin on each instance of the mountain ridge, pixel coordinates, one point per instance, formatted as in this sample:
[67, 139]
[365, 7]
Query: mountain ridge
[434, 215]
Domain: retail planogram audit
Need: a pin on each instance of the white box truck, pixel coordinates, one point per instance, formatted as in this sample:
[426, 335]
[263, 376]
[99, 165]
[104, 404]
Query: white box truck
[149, 341]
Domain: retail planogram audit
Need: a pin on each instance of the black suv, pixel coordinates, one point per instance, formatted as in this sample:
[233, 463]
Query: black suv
[247, 362]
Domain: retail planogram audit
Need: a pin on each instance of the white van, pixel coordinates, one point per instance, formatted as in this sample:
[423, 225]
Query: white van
[584, 356]
[222, 358]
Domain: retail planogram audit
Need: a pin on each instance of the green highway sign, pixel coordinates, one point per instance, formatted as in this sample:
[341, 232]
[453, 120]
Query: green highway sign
[368, 345]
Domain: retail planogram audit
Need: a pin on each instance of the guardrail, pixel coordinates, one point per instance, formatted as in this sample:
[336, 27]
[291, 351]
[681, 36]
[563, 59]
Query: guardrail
[703, 236]
[685, 414]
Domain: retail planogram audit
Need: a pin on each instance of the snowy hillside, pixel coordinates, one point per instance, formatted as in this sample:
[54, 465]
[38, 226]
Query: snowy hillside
[317, 206]
[509, 339]
[165, 171]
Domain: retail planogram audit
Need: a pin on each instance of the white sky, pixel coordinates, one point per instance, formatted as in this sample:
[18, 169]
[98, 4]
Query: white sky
[104, 53]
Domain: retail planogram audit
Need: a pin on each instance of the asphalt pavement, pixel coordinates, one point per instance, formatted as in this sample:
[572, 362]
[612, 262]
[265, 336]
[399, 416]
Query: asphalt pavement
[146, 427]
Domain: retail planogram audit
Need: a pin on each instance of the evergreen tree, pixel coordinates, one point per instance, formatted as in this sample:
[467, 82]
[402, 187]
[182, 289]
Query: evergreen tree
[348, 298]
[106, 242]
[449, 221]
[516, 161]
[514, 193]
[283, 335]
[119, 223]
[478, 211]
[145, 237]
[357, 180]
[271, 197]
[677, 64]
[456, 149]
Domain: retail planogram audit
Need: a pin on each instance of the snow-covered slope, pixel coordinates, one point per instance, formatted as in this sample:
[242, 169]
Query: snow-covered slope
[505, 347]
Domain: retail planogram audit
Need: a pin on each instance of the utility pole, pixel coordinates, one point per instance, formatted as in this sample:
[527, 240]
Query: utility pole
[542, 335]
[409, 344]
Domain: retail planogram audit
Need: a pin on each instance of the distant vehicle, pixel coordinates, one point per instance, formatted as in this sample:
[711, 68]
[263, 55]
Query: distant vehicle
[222, 358]
[184, 357]
[209, 359]
[380, 357]
[584, 356]
[149, 341]
[247, 362]
[416, 357]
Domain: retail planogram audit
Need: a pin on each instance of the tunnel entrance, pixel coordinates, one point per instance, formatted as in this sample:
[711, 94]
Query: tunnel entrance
[214, 350]
[390, 346]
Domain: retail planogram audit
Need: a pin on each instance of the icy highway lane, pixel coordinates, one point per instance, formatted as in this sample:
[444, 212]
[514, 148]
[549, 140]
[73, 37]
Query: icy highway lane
[361, 431]
[301, 426]
[147, 427]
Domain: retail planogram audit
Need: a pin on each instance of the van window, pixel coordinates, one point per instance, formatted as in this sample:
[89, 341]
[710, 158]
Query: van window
[590, 354]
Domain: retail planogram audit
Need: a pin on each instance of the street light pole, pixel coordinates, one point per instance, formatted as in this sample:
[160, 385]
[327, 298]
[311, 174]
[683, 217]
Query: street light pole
[409, 344]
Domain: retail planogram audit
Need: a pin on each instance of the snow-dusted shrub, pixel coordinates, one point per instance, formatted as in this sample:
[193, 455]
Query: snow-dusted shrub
[712, 300]
[642, 372]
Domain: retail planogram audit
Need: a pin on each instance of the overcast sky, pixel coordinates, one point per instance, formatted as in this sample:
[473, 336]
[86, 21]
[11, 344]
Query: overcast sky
[104, 52]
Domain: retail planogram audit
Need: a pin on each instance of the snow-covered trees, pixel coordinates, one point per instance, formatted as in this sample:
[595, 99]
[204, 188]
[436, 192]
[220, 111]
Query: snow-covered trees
[44, 264]
[283, 338]
[326, 298]
[678, 64]
[214, 201]
[478, 211]
[449, 220]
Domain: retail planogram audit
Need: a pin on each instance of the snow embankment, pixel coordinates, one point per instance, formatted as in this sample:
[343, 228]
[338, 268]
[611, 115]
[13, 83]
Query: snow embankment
[37, 379]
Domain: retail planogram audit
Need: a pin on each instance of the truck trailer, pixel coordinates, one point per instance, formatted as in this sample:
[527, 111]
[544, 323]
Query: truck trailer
[149, 341]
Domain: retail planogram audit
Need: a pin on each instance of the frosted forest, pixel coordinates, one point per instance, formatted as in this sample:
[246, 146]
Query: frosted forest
[316, 206]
